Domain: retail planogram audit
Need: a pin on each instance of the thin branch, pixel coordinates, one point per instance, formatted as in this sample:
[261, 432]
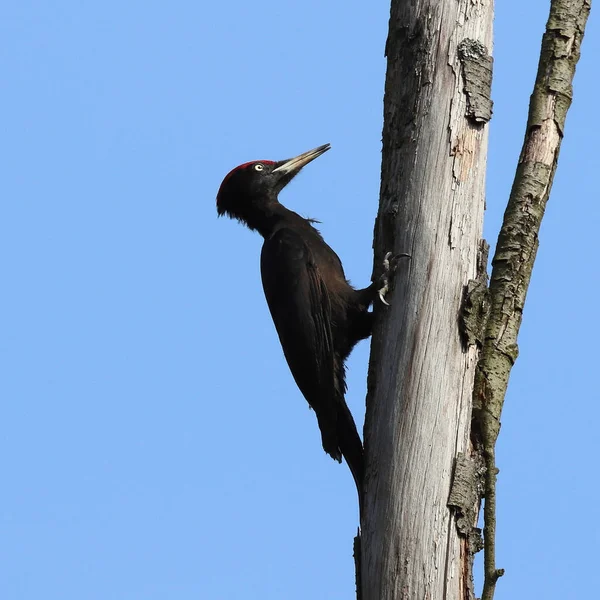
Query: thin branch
[518, 242]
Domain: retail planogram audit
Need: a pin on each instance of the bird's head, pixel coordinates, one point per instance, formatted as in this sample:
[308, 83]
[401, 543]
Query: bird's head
[252, 188]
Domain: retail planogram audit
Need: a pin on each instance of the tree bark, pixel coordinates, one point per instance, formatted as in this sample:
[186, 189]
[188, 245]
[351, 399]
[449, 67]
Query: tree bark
[426, 468]
[421, 374]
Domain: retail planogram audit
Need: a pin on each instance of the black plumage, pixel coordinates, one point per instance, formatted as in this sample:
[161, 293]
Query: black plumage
[318, 315]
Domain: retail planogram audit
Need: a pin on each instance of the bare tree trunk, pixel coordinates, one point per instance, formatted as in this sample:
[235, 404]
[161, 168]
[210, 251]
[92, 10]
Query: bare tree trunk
[420, 377]
[418, 440]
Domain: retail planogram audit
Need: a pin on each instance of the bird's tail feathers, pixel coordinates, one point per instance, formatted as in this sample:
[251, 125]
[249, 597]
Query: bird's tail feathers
[329, 438]
[350, 444]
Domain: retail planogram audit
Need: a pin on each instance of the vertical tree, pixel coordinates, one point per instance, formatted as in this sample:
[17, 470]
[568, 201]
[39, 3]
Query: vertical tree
[442, 353]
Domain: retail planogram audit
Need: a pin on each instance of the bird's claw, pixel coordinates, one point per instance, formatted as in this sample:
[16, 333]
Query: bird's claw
[382, 292]
[390, 263]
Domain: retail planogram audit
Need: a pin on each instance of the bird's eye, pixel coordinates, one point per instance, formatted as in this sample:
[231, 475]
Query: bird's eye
[258, 167]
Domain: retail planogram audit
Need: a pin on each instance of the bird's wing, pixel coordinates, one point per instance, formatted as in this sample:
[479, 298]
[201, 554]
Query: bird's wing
[300, 306]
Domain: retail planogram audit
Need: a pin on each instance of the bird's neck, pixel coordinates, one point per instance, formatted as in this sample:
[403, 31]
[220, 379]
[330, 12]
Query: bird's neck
[267, 220]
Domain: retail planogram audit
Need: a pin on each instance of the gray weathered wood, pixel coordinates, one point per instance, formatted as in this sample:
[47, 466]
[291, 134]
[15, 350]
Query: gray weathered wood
[421, 376]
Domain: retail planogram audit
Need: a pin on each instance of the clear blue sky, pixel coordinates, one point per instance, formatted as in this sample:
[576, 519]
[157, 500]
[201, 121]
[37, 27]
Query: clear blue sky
[154, 445]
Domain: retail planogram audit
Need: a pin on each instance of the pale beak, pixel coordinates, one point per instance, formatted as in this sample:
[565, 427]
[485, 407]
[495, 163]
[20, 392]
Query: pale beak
[293, 165]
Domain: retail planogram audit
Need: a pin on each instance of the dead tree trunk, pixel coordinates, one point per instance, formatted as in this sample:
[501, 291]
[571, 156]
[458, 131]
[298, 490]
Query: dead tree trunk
[436, 108]
[424, 355]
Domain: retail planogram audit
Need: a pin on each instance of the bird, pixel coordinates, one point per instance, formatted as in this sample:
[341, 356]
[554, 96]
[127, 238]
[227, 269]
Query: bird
[318, 315]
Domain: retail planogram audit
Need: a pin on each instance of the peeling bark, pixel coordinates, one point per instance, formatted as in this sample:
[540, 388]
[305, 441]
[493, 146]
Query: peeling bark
[477, 75]
[465, 494]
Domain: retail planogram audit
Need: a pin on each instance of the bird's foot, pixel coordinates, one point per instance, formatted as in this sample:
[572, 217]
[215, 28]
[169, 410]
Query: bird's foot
[390, 264]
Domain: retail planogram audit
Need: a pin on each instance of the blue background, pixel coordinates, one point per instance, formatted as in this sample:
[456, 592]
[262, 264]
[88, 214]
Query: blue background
[153, 442]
